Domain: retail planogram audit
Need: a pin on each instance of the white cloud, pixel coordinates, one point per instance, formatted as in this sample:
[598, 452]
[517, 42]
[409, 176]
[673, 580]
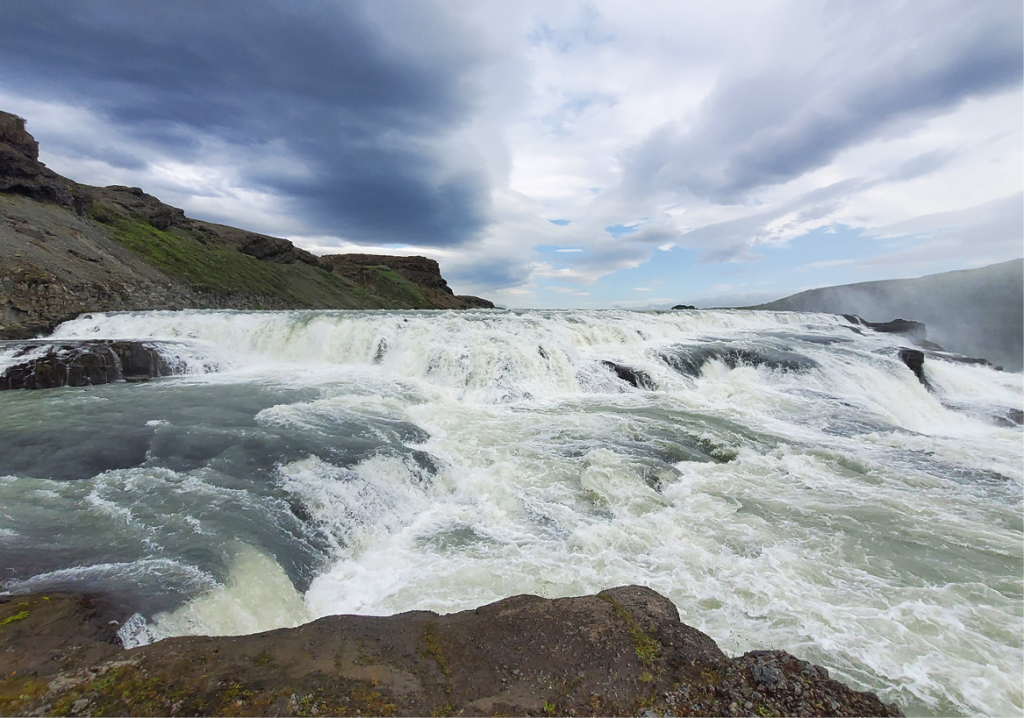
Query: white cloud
[724, 129]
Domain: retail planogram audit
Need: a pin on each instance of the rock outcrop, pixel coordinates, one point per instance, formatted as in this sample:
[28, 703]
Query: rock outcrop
[914, 359]
[22, 173]
[621, 652]
[423, 272]
[635, 377]
[46, 365]
[915, 331]
[68, 248]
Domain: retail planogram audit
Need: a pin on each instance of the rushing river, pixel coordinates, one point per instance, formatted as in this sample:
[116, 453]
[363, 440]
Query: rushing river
[784, 478]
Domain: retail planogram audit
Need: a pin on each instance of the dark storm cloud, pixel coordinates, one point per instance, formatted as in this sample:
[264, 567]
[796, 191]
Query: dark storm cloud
[776, 124]
[362, 112]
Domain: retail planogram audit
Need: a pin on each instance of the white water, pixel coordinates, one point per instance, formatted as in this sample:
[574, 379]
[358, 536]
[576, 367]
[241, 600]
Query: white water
[852, 517]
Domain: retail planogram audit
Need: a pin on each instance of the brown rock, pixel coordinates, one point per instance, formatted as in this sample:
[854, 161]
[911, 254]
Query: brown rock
[621, 652]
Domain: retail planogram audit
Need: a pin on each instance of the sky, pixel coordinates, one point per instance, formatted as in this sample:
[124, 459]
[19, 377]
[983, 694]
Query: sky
[554, 154]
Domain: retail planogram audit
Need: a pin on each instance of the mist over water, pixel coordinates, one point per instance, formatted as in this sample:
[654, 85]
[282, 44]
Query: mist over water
[782, 477]
[977, 312]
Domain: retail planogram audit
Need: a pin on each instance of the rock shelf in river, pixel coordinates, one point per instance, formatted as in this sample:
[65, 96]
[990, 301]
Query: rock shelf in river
[50, 364]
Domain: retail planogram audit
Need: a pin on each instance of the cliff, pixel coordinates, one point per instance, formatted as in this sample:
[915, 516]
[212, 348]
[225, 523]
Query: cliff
[68, 248]
[621, 652]
[975, 312]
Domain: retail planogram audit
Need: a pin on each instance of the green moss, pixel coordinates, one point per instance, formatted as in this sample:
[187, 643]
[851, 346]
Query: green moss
[432, 649]
[647, 648]
[362, 659]
[19, 616]
[360, 699]
[19, 695]
[445, 709]
[263, 658]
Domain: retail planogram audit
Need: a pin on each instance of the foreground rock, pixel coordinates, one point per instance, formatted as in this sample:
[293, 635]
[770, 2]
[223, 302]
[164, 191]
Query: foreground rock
[47, 364]
[621, 652]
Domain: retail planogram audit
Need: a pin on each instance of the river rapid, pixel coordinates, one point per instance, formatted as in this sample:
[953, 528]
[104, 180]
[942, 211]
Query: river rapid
[783, 478]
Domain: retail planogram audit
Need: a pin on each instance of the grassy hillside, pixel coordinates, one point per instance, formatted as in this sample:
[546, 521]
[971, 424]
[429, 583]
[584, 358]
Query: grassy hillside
[211, 268]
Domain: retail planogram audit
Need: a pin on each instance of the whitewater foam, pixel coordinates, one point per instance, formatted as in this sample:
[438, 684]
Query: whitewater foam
[786, 480]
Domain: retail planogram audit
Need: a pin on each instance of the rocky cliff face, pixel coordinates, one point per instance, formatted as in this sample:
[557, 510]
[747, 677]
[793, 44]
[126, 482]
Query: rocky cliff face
[67, 248]
[424, 273]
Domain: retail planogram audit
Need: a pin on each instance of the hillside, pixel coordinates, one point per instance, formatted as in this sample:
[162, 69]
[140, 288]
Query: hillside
[68, 248]
[978, 312]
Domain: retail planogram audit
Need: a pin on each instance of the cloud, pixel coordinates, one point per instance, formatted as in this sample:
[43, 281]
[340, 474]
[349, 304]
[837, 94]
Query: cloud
[829, 263]
[525, 144]
[730, 240]
[772, 125]
[368, 106]
[983, 234]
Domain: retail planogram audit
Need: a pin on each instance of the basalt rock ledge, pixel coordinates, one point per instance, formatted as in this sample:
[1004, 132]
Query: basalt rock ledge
[621, 652]
[68, 248]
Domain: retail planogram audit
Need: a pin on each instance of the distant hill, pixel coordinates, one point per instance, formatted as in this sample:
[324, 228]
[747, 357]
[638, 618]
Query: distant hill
[68, 248]
[978, 312]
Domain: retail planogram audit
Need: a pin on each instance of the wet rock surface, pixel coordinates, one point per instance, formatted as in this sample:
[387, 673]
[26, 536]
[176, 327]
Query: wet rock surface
[690, 360]
[635, 377]
[905, 327]
[47, 365]
[914, 359]
[621, 652]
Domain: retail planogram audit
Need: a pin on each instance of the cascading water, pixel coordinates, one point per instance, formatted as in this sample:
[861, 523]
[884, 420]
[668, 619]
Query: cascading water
[784, 478]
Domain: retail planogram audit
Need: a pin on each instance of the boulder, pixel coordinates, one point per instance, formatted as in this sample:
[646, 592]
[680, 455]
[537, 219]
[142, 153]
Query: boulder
[637, 377]
[47, 364]
[914, 359]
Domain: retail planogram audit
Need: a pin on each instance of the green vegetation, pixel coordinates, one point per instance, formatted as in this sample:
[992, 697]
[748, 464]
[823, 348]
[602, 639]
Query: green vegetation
[389, 286]
[132, 690]
[647, 648]
[432, 649]
[263, 658]
[19, 694]
[217, 269]
[19, 616]
[362, 659]
[445, 709]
